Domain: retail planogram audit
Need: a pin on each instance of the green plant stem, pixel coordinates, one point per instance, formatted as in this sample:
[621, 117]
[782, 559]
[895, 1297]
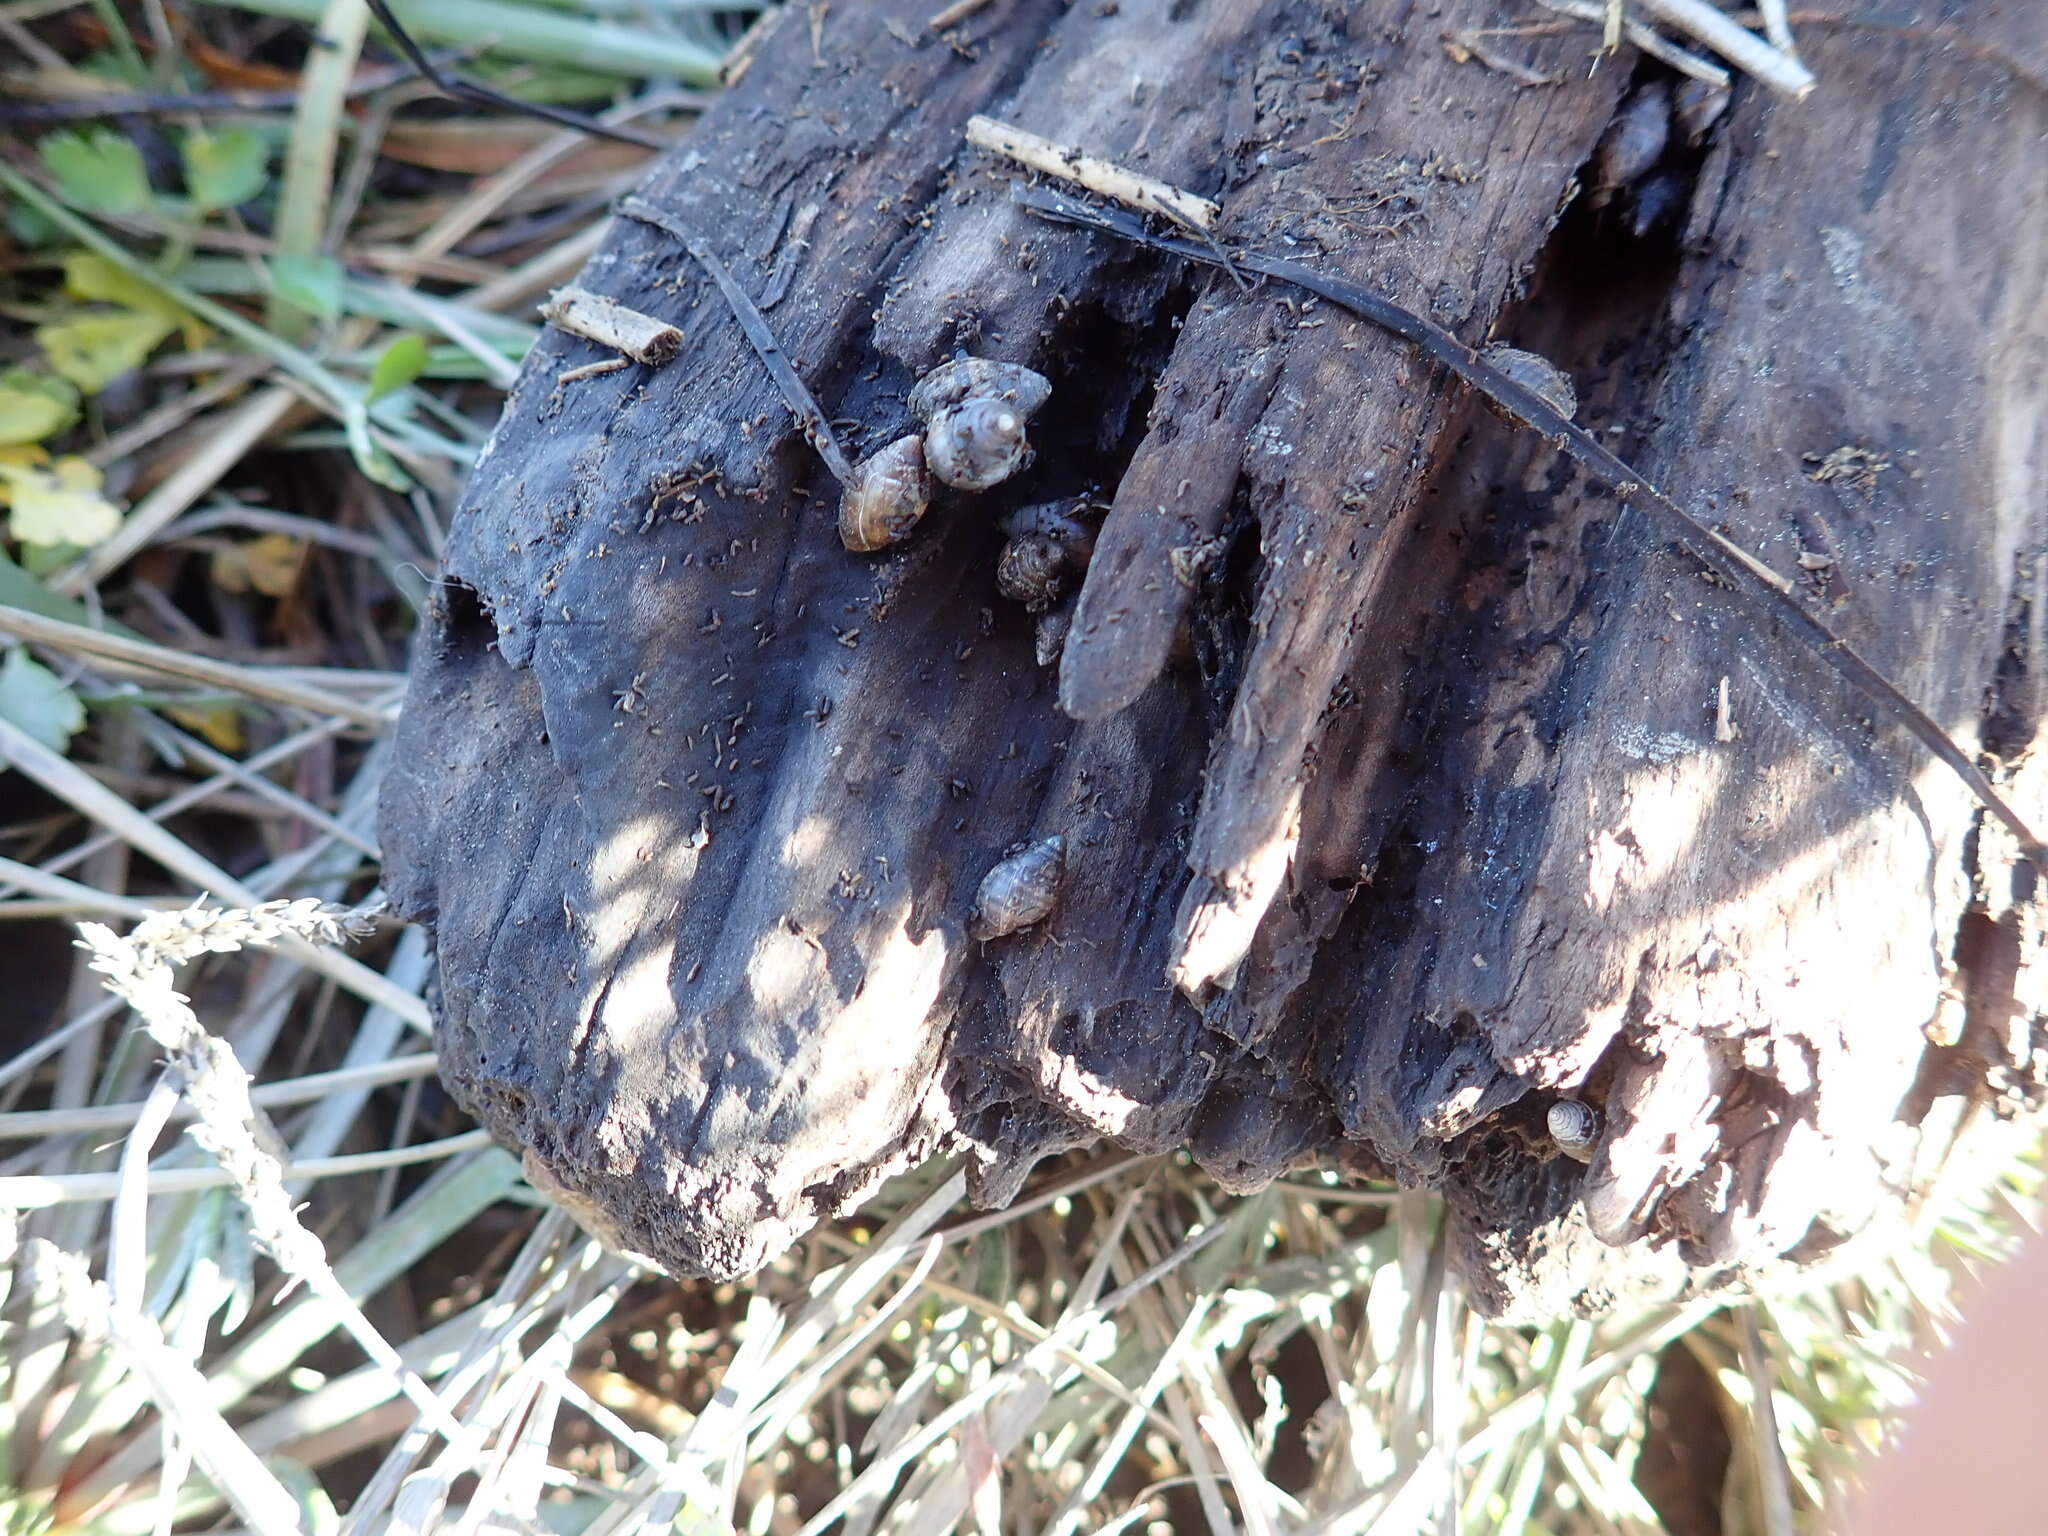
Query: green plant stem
[301, 231]
[541, 37]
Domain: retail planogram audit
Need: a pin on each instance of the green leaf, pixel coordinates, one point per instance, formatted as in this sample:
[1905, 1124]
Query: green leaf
[36, 699]
[34, 406]
[224, 169]
[397, 366]
[97, 170]
[94, 350]
[311, 283]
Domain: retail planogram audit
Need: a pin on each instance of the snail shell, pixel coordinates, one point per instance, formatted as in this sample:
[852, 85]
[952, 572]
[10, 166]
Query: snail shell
[976, 444]
[1034, 570]
[891, 489]
[1575, 1127]
[1021, 890]
[1048, 548]
[1539, 375]
[969, 378]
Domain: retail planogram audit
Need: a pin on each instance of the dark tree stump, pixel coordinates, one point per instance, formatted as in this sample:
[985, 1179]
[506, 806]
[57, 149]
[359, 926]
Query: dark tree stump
[1390, 754]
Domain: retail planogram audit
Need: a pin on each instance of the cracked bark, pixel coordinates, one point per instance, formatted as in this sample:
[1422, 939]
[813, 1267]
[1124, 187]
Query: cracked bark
[1378, 732]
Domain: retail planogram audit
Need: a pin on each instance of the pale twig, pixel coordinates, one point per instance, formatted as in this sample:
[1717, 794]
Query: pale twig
[1741, 47]
[255, 682]
[297, 1090]
[1647, 39]
[1097, 175]
[604, 320]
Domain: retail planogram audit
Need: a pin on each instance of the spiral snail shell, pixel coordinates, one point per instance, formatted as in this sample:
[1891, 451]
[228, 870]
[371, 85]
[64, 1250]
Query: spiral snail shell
[890, 491]
[1539, 375]
[970, 378]
[974, 412]
[1049, 547]
[976, 444]
[1575, 1127]
[1021, 890]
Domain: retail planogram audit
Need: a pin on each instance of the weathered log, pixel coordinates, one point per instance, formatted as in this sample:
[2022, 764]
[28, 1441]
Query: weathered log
[1407, 781]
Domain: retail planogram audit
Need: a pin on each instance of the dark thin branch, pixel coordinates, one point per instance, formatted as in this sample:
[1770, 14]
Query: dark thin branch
[1725, 560]
[810, 420]
[482, 95]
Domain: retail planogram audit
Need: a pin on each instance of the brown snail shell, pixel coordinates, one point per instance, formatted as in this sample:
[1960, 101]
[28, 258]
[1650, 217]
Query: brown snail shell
[891, 489]
[976, 444]
[1021, 890]
[1539, 375]
[969, 378]
[1048, 550]
[1575, 1127]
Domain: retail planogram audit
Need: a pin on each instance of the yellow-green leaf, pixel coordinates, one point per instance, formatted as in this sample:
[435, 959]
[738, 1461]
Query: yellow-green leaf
[36, 699]
[55, 503]
[397, 366]
[34, 406]
[89, 276]
[94, 350]
[224, 169]
[269, 563]
[97, 170]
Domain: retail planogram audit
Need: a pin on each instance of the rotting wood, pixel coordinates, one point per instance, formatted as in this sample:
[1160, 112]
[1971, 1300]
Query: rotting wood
[1435, 729]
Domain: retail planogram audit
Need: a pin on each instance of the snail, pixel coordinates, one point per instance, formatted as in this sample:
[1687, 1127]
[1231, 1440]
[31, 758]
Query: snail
[1021, 890]
[974, 413]
[968, 378]
[1049, 546]
[1539, 375]
[1575, 1127]
[889, 492]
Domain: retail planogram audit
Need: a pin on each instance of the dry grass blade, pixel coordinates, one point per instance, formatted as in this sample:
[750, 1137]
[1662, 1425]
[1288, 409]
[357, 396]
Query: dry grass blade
[140, 655]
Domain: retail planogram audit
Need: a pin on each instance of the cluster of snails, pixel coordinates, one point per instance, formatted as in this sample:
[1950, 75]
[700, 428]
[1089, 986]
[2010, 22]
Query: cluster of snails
[974, 413]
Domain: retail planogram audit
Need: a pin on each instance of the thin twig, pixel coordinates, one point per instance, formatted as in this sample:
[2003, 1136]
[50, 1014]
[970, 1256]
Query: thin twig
[463, 89]
[254, 682]
[1097, 175]
[1725, 560]
[810, 419]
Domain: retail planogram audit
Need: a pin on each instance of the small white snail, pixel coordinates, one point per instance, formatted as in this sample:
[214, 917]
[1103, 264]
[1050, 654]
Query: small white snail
[1539, 375]
[974, 412]
[1021, 890]
[1050, 636]
[1575, 1127]
[890, 490]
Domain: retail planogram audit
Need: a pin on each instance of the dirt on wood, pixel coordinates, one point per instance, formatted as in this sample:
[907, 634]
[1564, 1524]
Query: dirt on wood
[1409, 783]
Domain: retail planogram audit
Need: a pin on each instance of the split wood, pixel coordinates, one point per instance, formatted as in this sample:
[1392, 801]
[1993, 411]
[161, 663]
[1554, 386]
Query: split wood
[1726, 561]
[609, 323]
